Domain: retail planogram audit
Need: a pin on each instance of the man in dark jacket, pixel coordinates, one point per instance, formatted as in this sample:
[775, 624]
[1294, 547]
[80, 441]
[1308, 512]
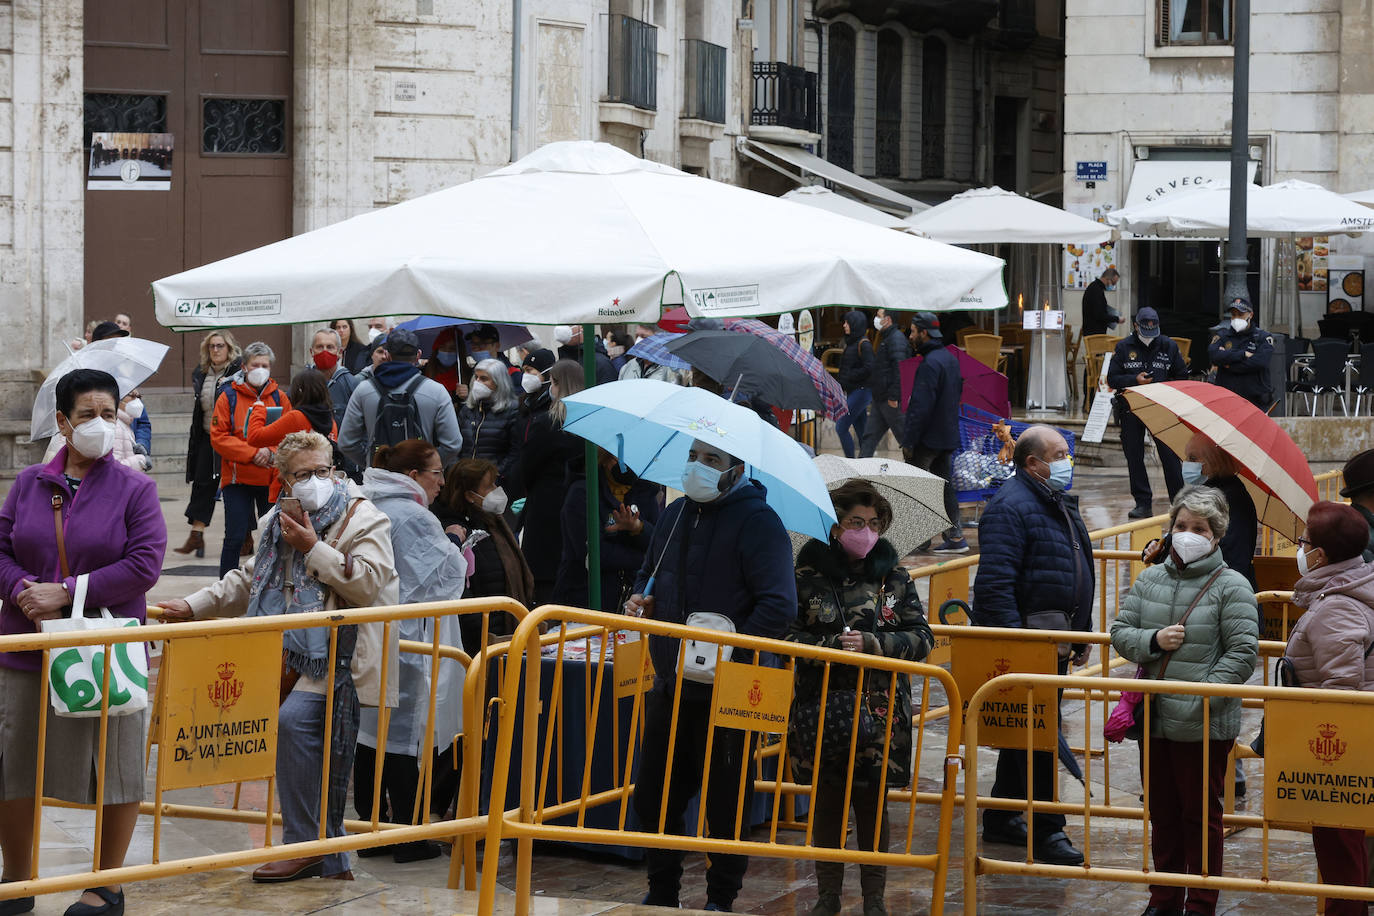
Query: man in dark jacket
[932, 417]
[569, 338]
[856, 369]
[1241, 354]
[1098, 316]
[1036, 557]
[720, 549]
[885, 381]
[1358, 477]
[1143, 357]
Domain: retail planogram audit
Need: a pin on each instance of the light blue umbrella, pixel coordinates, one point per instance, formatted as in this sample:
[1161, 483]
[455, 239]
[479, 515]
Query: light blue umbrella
[650, 426]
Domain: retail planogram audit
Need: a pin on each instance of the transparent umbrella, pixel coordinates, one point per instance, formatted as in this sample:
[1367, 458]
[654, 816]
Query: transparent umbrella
[131, 360]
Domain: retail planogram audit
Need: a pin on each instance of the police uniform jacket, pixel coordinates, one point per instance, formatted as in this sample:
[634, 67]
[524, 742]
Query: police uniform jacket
[1242, 362]
[1160, 358]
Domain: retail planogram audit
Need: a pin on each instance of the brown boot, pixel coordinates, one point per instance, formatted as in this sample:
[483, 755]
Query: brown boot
[247, 549]
[195, 541]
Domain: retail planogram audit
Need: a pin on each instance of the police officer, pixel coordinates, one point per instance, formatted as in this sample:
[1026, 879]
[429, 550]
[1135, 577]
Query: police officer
[1141, 358]
[1240, 352]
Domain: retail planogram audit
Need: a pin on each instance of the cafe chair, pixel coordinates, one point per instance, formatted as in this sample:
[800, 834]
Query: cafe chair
[1329, 365]
[830, 359]
[1364, 384]
[987, 349]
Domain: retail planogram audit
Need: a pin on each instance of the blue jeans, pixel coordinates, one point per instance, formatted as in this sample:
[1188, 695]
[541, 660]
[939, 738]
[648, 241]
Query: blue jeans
[859, 399]
[243, 505]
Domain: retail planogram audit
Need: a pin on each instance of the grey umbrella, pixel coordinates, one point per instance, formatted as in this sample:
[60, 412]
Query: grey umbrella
[917, 497]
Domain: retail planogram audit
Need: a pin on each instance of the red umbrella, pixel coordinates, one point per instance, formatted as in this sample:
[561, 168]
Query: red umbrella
[675, 320]
[1274, 469]
[984, 388]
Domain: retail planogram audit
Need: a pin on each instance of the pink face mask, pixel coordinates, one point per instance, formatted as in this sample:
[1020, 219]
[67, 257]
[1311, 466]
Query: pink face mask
[858, 542]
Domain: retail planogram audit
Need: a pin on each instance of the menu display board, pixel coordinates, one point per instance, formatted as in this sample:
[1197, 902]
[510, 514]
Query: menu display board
[1084, 263]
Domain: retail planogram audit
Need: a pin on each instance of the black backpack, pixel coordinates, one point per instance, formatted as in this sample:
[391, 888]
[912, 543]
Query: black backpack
[398, 418]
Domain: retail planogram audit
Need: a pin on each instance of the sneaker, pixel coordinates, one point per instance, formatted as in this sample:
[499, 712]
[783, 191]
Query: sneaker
[958, 545]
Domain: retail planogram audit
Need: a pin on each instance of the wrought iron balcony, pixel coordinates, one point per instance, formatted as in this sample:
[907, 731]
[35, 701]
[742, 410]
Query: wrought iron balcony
[633, 66]
[958, 17]
[785, 96]
[703, 81]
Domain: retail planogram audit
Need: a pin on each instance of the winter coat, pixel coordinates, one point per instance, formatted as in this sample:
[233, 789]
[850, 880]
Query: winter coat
[142, 428]
[605, 369]
[1329, 645]
[1220, 642]
[878, 599]
[229, 434]
[856, 362]
[198, 448]
[622, 553]
[1098, 315]
[886, 377]
[341, 386]
[112, 528]
[1238, 543]
[366, 537]
[438, 420]
[356, 356]
[1036, 556]
[1369, 519]
[642, 368]
[493, 435]
[429, 567]
[549, 459]
[932, 413]
[1161, 358]
[730, 556]
[491, 576]
[1242, 362]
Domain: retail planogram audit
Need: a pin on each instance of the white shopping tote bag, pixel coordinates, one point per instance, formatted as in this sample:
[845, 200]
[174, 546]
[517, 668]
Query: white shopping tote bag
[76, 674]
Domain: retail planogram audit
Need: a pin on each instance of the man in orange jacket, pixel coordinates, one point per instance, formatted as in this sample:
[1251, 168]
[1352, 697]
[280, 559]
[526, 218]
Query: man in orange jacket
[247, 472]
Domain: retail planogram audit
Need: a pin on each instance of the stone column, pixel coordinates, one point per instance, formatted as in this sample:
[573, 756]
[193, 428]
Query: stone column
[1357, 96]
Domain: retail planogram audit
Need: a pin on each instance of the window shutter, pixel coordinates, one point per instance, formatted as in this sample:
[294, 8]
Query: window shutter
[1162, 16]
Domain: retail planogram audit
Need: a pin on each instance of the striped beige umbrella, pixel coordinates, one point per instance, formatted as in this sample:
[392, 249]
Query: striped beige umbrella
[1274, 469]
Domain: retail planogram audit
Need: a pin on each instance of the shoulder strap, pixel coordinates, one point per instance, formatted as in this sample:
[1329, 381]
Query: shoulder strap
[343, 524]
[61, 542]
[1184, 619]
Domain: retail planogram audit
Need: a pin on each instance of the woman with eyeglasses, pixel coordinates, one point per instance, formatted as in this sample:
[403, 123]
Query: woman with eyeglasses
[324, 547]
[402, 482]
[219, 359]
[853, 594]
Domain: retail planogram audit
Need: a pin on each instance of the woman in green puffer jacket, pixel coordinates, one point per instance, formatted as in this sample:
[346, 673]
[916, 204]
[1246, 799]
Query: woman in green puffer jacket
[1217, 645]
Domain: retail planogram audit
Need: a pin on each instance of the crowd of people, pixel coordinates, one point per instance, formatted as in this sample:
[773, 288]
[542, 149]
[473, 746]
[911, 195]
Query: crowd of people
[378, 477]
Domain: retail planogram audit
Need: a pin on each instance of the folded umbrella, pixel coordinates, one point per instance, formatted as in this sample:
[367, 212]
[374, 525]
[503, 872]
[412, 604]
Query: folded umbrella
[917, 497]
[1274, 469]
[131, 360]
[655, 350]
[756, 365]
[650, 427]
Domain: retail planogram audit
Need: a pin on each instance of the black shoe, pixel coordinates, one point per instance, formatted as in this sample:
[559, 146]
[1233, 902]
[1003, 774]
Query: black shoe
[1056, 849]
[1161, 911]
[1240, 788]
[1011, 832]
[418, 851]
[113, 905]
[1141, 512]
[650, 899]
[15, 905]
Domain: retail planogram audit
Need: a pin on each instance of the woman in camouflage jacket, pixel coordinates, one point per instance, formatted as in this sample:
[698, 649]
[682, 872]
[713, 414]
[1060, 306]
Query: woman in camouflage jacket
[854, 595]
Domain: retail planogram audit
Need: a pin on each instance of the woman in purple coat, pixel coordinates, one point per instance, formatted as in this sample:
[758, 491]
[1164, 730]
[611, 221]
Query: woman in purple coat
[113, 531]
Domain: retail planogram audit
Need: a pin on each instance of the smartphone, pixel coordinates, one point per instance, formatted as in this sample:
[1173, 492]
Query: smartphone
[290, 506]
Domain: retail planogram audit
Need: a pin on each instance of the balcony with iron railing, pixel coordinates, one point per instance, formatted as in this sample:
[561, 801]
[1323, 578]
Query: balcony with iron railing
[632, 67]
[785, 96]
[960, 18]
[703, 71]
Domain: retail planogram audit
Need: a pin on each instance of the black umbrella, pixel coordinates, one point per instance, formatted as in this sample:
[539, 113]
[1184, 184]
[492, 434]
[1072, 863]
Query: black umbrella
[751, 364]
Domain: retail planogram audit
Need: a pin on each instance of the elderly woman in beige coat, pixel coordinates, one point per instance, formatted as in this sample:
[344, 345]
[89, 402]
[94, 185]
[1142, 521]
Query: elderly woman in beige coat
[338, 555]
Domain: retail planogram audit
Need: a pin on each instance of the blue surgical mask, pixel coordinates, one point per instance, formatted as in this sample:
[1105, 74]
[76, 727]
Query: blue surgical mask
[446, 358]
[1111, 287]
[479, 355]
[1192, 473]
[1061, 474]
[701, 483]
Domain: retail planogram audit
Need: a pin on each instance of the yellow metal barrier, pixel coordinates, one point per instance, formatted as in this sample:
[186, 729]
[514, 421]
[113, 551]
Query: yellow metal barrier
[1286, 806]
[226, 632]
[528, 731]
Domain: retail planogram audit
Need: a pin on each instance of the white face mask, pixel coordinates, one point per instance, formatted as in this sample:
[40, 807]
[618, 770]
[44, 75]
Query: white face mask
[94, 438]
[495, 502]
[1189, 547]
[134, 409]
[313, 492]
[373, 334]
[614, 351]
[480, 391]
[259, 376]
[531, 383]
[1239, 324]
[1303, 568]
[701, 483]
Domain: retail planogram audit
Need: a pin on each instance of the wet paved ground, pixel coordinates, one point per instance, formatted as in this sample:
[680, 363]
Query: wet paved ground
[572, 882]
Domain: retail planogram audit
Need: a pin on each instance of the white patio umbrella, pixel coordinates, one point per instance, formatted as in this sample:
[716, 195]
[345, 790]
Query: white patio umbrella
[1280, 210]
[826, 199]
[1362, 197]
[580, 232]
[991, 215]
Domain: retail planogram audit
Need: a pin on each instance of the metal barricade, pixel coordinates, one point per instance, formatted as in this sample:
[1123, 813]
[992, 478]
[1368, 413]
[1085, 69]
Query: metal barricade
[535, 708]
[247, 636]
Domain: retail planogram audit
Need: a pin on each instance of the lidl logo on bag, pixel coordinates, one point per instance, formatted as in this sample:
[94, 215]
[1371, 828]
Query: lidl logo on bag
[225, 691]
[1326, 747]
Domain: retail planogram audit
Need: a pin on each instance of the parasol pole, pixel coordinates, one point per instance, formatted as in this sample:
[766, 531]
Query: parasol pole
[593, 478]
[1237, 256]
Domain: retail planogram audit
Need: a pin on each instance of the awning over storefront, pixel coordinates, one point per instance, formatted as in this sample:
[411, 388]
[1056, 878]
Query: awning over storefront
[1155, 179]
[778, 157]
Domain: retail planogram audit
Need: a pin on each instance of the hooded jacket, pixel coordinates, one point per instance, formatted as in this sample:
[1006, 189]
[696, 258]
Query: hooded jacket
[886, 377]
[1220, 642]
[437, 416]
[229, 434]
[730, 556]
[856, 362]
[1329, 645]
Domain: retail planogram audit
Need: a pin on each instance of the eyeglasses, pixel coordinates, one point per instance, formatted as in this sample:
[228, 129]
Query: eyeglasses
[1304, 542]
[439, 471]
[219, 346]
[323, 473]
[855, 523]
